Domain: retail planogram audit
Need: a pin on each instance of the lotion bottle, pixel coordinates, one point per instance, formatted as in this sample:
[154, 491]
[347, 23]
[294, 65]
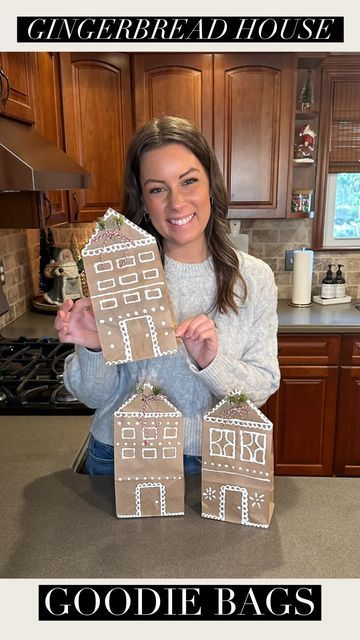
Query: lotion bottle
[339, 283]
[328, 285]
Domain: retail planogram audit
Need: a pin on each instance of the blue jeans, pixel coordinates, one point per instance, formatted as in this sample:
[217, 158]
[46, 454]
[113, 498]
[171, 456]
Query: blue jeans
[100, 460]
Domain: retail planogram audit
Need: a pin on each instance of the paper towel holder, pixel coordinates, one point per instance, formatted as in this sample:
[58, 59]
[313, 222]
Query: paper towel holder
[304, 305]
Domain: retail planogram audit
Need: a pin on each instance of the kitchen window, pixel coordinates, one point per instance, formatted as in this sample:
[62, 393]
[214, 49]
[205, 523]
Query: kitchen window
[337, 219]
[342, 214]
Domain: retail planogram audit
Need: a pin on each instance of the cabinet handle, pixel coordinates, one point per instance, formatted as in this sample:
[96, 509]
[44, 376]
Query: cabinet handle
[76, 214]
[50, 210]
[5, 98]
[1, 82]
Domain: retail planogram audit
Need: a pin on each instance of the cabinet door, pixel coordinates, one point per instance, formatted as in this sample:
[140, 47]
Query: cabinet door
[48, 119]
[97, 125]
[178, 84]
[19, 69]
[253, 105]
[347, 458]
[303, 414]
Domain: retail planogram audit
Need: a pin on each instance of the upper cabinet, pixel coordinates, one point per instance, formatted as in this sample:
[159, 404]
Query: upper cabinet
[17, 71]
[97, 113]
[254, 97]
[175, 84]
[48, 120]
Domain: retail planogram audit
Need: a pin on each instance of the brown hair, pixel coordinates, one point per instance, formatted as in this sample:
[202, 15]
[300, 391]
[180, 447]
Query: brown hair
[170, 130]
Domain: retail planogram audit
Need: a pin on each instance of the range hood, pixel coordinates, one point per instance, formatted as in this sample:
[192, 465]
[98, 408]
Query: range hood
[30, 162]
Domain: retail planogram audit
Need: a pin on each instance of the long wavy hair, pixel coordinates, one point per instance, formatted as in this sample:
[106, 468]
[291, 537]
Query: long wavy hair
[169, 130]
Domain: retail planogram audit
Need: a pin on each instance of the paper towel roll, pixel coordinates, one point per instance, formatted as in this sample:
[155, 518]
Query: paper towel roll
[302, 276]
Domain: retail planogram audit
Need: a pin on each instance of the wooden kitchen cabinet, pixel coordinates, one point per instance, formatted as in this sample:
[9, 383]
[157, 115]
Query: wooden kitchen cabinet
[18, 80]
[54, 207]
[303, 410]
[97, 109]
[254, 102]
[179, 84]
[347, 457]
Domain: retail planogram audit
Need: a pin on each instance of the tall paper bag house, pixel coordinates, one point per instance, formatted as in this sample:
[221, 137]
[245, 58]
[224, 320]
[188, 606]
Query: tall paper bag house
[148, 456]
[237, 482]
[127, 287]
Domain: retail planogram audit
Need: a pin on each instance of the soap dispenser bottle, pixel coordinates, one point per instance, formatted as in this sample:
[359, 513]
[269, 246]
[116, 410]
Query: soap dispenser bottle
[328, 285]
[339, 283]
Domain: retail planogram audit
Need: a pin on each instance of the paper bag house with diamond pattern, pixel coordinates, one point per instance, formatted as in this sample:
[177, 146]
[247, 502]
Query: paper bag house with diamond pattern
[127, 287]
[148, 456]
[237, 481]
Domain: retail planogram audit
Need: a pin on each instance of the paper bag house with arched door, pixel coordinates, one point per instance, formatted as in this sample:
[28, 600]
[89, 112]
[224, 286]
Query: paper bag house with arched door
[148, 453]
[127, 287]
[237, 463]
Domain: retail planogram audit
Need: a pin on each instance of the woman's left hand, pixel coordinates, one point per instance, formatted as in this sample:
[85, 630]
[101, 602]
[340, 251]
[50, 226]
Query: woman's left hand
[200, 338]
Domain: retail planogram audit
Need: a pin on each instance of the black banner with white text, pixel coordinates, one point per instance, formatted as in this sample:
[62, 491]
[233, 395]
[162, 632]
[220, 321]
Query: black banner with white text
[180, 29]
[180, 602]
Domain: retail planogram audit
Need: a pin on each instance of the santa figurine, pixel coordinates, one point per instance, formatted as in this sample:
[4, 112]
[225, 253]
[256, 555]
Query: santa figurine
[307, 140]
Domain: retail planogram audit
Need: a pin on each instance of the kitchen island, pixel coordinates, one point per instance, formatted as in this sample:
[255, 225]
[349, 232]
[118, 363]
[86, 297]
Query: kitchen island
[57, 523]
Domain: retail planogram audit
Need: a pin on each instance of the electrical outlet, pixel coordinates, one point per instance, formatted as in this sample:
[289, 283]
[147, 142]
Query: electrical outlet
[289, 260]
[2, 272]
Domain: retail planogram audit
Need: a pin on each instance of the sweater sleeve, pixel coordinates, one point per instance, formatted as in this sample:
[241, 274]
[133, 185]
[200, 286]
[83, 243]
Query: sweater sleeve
[257, 372]
[93, 382]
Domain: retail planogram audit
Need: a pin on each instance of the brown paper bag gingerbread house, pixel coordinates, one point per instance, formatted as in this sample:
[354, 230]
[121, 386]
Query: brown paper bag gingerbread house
[128, 292]
[148, 455]
[237, 463]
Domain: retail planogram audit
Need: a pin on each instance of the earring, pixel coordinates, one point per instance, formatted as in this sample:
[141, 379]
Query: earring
[211, 201]
[146, 216]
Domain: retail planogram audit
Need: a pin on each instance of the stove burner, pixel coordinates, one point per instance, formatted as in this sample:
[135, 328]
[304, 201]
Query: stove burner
[31, 378]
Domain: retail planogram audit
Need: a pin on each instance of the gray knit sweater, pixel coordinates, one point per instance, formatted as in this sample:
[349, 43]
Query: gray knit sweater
[246, 359]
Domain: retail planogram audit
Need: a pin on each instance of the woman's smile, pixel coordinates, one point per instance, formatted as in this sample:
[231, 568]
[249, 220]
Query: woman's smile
[182, 221]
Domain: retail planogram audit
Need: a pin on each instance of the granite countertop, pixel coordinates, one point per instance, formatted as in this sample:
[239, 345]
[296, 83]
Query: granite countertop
[57, 523]
[337, 318]
[334, 318]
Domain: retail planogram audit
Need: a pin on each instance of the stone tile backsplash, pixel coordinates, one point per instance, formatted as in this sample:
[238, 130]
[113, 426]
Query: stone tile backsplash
[268, 240]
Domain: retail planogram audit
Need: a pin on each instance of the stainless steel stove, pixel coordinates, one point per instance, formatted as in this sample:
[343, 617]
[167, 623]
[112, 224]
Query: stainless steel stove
[31, 378]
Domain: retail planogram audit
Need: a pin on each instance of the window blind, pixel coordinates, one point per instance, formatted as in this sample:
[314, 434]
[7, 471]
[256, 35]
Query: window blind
[345, 128]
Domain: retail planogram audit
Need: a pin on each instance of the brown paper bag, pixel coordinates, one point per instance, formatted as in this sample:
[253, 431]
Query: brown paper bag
[148, 455]
[237, 481]
[127, 287]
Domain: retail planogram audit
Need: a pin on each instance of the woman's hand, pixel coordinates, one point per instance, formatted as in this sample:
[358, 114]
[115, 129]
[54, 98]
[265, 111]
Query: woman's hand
[200, 338]
[75, 323]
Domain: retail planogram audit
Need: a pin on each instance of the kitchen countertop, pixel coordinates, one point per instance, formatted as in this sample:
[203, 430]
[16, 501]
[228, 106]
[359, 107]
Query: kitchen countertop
[337, 318]
[57, 523]
[334, 318]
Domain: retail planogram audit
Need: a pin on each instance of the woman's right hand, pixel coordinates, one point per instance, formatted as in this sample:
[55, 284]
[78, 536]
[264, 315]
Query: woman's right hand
[75, 322]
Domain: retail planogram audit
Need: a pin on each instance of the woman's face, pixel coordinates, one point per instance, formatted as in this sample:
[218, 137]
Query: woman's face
[175, 190]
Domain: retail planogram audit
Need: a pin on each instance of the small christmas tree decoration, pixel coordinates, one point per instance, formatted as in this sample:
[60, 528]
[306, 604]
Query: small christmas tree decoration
[148, 456]
[74, 247]
[45, 283]
[307, 98]
[237, 463]
[128, 291]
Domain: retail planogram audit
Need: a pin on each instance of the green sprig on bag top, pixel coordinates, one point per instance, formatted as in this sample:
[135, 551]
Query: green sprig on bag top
[237, 399]
[117, 221]
[156, 390]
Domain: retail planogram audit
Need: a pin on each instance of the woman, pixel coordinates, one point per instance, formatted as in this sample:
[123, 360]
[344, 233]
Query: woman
[224, 301]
